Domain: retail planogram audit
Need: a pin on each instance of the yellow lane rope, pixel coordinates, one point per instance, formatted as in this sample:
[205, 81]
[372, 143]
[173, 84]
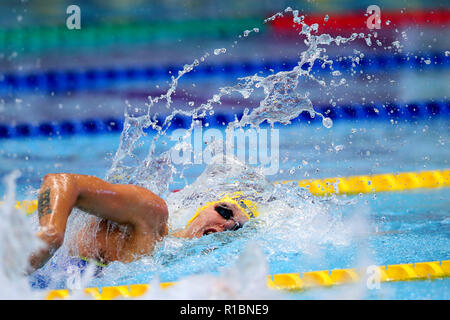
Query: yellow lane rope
[348, 185]
[293, 281]
[376, 183]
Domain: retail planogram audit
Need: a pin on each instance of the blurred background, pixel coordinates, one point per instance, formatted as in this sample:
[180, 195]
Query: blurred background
[125, 50]
[60, 82]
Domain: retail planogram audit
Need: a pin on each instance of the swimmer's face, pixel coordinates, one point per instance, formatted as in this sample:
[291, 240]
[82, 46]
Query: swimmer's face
[210, 220]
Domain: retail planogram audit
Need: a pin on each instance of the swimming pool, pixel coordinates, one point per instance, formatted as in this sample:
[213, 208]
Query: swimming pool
[343, 232]
[379, 105]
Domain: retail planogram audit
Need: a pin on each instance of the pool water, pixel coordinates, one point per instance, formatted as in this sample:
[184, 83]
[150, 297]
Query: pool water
[322, 234]
[306, 151]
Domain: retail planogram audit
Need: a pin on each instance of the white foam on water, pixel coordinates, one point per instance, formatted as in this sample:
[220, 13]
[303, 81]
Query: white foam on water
[17, 242]
[246, 279]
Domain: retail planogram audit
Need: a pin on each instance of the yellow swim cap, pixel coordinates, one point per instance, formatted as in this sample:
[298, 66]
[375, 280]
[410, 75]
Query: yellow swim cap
[248, 207]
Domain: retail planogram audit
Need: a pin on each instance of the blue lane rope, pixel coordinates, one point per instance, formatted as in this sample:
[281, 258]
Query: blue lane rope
[406, 112]
[57, 81]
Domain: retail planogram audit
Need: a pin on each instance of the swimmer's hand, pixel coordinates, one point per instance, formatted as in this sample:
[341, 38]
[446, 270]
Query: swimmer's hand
[43, 254]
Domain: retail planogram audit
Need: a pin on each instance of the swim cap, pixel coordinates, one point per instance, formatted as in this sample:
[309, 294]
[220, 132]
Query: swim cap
[248, 207]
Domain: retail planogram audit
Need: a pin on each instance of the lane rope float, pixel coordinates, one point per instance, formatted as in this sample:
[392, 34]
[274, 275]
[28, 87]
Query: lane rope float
[387, 182]
[292, 281]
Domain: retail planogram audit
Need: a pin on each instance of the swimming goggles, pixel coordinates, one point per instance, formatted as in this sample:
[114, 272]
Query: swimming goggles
[226, 213]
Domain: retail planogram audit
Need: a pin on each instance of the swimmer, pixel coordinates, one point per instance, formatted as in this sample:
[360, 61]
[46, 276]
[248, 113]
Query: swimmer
[141, 216]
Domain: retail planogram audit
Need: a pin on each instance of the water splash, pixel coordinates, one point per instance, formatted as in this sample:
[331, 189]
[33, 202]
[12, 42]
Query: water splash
[17, 242]
[298, 223]
[219, 177]
[283, 100]
[246, 279]
[293, 226]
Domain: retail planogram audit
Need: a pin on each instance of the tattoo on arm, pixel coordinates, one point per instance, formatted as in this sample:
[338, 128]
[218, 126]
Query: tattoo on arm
[44, 203]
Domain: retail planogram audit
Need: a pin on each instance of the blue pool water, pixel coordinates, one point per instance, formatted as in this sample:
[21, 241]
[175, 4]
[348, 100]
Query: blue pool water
[392, 228]
[368, 147]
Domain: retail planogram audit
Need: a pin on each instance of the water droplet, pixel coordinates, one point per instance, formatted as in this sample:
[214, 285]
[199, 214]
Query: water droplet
[327, 122]
[219, 51]
[339, 147]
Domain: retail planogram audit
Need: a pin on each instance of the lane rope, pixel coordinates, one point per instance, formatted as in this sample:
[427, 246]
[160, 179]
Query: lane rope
[41, 39]
[412, 111]
[293, 281]
[101, 78]
[357, 22]
[387, 182]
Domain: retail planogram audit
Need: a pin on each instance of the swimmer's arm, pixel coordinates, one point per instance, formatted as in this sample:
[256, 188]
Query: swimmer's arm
[124, 204]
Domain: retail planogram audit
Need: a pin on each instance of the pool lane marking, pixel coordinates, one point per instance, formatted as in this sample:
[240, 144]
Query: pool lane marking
[293, 281]
[387, 182]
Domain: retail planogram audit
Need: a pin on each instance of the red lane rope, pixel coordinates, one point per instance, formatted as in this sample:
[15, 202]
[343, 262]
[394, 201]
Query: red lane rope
[356, 21]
